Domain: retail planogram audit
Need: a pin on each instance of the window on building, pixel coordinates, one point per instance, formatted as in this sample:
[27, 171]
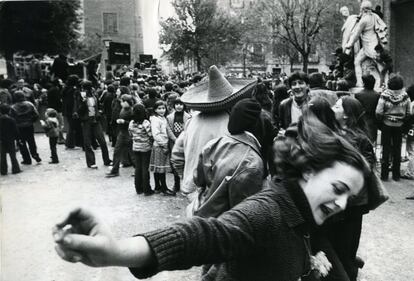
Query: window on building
[237, 4]
[110, 23]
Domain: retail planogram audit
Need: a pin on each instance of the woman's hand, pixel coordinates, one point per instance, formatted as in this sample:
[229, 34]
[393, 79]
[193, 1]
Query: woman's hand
[82, 237]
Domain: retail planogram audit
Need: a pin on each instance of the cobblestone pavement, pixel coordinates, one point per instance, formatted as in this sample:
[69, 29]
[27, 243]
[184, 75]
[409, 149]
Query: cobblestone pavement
[31, 202]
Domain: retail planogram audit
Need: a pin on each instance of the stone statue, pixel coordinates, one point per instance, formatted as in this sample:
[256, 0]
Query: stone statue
[350, 22]
[365, 32]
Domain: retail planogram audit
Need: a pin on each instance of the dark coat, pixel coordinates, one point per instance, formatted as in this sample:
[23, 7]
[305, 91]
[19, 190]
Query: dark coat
[262, 238]
[54, 98]
[24, 113]
[83, 111]
[68, 100]
[8, 129]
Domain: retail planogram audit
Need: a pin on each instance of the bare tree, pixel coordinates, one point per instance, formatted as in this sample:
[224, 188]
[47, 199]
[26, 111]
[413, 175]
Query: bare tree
[297, 22]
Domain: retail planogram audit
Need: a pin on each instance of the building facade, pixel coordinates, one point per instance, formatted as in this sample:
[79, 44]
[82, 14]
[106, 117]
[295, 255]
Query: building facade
[116, 21]
[398, 15]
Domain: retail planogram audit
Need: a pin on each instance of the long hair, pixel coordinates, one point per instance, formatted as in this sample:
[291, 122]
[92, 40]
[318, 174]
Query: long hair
[355, 112]
[261, 95]
[317, 147]
[322, 110]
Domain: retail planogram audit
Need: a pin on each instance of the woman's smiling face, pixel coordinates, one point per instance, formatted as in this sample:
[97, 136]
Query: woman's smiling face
[328, 191]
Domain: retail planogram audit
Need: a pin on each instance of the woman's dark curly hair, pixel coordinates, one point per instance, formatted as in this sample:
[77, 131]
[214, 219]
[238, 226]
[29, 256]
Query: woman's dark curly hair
[316, 148]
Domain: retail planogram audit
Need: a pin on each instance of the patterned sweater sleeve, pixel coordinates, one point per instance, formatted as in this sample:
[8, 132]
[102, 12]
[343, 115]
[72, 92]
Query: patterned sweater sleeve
[236, 234]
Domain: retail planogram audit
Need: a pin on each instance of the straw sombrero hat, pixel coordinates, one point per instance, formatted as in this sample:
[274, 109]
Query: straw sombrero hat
[217, 93]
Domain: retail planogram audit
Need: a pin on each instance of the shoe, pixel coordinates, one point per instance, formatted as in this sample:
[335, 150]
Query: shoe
[149, 193]
[26, 163]
[139, 192]
[112, 174]
[38, 159]
[93, 166]
[17, 172]
[157, 191]
[396, 178]
[168, 193]
[407, 177]
[53, 162]
[359, 262]
[110, 163]
[410, 197]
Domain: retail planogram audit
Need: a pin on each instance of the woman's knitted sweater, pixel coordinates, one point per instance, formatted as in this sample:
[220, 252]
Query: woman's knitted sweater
[262, 238]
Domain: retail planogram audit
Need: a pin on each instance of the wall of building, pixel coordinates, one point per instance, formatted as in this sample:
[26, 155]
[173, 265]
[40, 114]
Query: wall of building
[129, 22]
[401, 37]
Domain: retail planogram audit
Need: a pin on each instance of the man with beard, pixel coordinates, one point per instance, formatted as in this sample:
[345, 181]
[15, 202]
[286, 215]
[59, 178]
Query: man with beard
[290, 109]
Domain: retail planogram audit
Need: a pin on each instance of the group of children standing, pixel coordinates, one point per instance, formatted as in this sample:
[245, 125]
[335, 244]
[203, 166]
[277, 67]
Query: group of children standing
[152, 141]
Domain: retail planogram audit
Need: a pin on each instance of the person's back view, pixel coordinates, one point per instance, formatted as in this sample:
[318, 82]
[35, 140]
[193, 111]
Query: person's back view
[368, 97]
[230, 168]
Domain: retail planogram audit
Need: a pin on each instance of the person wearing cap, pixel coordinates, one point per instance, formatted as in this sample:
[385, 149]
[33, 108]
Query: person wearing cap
[89, 114]
[230, 168]
[212, 98]
[290, 109]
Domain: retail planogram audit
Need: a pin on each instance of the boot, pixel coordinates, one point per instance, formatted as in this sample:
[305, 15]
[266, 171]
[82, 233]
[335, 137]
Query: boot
[164, 188]
[157, 183]
[384, 172]
[176, 183]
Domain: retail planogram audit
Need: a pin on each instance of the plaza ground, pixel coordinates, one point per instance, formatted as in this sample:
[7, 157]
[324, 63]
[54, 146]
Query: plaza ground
[33, 201]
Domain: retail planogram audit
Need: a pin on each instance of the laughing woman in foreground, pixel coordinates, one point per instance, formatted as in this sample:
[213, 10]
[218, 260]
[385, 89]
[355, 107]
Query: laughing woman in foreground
[266, 237]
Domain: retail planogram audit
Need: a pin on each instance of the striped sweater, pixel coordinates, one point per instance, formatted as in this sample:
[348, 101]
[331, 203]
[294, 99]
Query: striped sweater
[141, 136]
[393, 107]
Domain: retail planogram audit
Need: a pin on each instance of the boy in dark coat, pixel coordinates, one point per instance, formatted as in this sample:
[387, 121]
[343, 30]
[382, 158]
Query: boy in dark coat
[8, 136]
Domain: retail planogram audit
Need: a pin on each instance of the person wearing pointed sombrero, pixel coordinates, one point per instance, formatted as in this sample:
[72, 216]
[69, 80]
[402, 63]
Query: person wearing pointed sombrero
[212, 99]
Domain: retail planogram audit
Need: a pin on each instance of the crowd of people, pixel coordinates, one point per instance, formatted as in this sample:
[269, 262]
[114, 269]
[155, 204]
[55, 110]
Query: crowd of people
[274, 191]
[253, 157]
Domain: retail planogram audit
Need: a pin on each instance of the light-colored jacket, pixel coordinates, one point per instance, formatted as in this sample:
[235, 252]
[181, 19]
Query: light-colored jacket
[159, 130]
[200, 129]
[229, 170]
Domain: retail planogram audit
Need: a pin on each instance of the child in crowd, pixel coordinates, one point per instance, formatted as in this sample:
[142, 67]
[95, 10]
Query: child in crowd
[8, 137]
[51, 127]
[176, 121]
[160, 155]
[140, 130]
